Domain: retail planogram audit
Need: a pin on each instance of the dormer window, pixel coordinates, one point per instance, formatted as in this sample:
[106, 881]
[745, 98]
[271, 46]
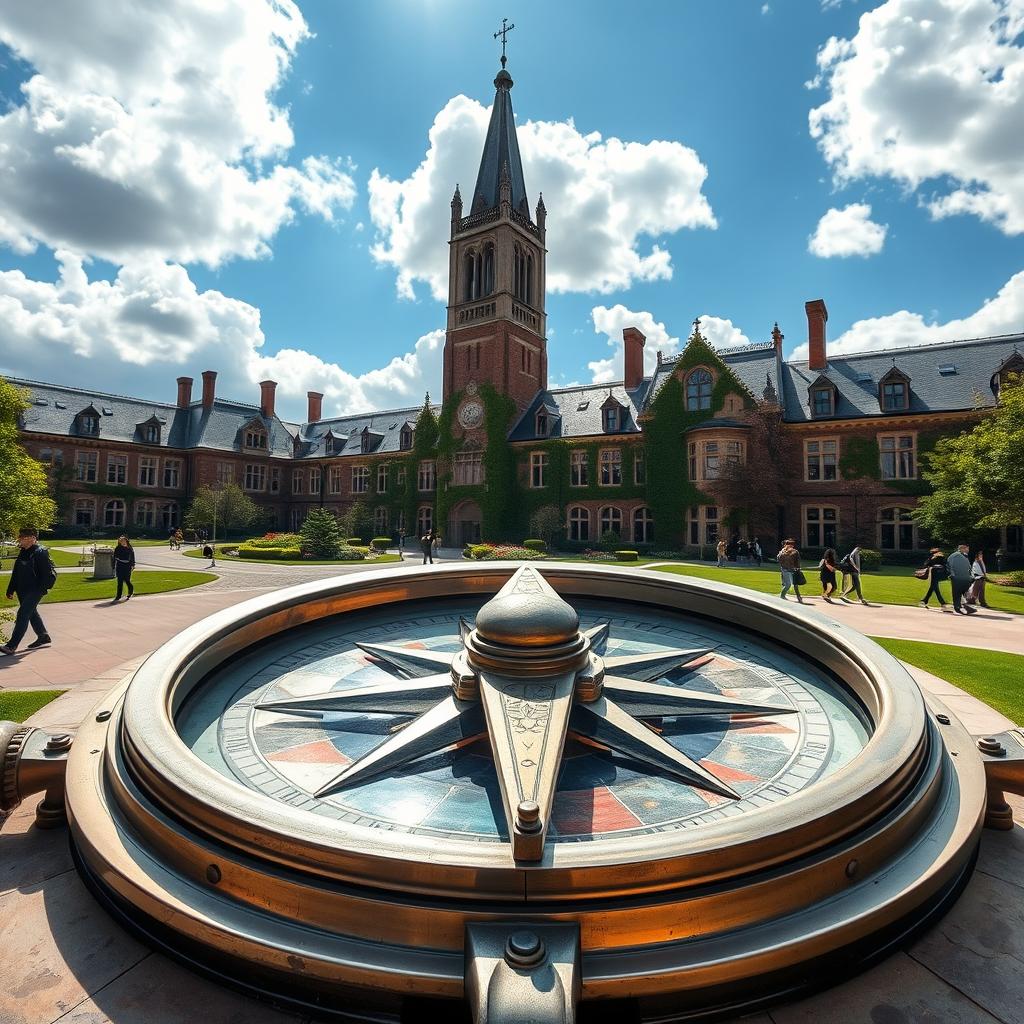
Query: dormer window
[152, 433]
[822, 402]
[89, 421]
[542, 424]
[405, 438]
[255, 438]
[611, 419]
[699, 385]
[894, 391]
[1013, 365]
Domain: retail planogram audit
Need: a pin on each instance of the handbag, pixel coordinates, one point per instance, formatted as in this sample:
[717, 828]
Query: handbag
[922, 573]
[799, 578]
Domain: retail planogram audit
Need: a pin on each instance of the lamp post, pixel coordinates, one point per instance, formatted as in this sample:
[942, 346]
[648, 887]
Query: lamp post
[216, 492]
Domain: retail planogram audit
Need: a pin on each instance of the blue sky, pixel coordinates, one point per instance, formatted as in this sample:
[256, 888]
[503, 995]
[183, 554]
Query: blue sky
[164, 152]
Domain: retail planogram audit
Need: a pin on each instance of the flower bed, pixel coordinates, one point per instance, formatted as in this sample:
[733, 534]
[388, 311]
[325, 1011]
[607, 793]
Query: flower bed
[502, 552]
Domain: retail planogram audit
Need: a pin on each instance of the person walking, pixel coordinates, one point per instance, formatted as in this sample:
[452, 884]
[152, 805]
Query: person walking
[979, 574]
[755, 551]
[124, 563]
[427, 546]
[789, 566]
[959, 567]
[720, 551]
[827, 574]
[850, 568]
[936, 572]
[401, 544]
[32, 576]
[179, 539]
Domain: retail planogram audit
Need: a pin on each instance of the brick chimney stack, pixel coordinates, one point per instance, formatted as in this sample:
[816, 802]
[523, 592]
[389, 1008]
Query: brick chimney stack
[268, 388]
[633, 348]
[314, 406]
[209, 388]
[817, 317]
[184, 392]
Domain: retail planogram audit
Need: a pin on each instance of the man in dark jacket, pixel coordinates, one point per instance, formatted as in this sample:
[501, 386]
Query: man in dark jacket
[31, 578]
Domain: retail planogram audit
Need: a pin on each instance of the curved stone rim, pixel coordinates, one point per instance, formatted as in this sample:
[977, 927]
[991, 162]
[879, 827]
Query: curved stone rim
[187, 788]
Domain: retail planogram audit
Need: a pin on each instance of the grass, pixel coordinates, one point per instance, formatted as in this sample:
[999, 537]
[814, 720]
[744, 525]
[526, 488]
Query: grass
[221, 556]
[104, 541]
[18, 705]
[891, 585]
[994, 677]
[72, 587]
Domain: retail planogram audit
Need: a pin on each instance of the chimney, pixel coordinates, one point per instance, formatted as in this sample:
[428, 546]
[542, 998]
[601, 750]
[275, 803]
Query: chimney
[267, 390]
[209, 388]
[184, 392]
[817, 317]
[777, 338]
[633, 346]
[314, 406]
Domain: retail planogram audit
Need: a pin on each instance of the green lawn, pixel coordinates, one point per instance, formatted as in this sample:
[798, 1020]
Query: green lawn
[994, 677]
[73, 587]
[62, 559]
[104, 541]
[17, 705]
[892, 585]
[221, 556]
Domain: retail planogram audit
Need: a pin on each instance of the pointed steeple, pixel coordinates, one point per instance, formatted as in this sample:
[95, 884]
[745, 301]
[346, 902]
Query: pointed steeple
[501, 150]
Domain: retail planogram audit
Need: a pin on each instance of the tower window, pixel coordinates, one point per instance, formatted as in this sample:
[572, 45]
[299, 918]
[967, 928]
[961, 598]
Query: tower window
[698, 390]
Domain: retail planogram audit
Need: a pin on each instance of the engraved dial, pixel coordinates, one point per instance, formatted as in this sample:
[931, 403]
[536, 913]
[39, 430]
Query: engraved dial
[471, 413]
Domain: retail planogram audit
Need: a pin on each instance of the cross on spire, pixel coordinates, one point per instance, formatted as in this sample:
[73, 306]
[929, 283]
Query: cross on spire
[503, 32]
[696, 325]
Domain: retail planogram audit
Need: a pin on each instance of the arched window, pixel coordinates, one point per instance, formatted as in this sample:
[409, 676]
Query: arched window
[528, 290]
[897, 530]
[488, 273]
[473, 267]
[113, 513]
[169, 515]
[643, 526]
[517, 270]
[611, 520]
[145, 513]
[698, 390]
[579, 523]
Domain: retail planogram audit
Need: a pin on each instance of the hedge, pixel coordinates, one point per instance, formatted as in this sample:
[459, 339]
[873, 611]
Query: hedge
[626, 556]
[535, 545]
[381, 542]
[247, 551]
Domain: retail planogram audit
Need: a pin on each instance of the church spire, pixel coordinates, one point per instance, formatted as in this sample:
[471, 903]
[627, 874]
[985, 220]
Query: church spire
[501, 152]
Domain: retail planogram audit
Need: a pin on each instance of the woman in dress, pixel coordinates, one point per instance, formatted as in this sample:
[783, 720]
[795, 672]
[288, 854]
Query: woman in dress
[935, 565]
[827, 574]
[976, 595]
[124, 563]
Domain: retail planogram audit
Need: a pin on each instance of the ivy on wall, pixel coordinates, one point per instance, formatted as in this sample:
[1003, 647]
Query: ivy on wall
[861, 459]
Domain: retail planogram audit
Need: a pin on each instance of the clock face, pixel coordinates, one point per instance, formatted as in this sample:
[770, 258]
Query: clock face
[281, 721]
[471, 414]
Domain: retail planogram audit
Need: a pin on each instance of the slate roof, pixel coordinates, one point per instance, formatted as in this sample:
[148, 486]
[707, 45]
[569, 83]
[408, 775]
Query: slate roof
[501, 150]
[384, 428]
[856, 378]
[577, 411]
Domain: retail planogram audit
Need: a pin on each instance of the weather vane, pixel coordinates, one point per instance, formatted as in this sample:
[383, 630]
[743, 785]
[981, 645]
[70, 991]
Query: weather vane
[503, 32]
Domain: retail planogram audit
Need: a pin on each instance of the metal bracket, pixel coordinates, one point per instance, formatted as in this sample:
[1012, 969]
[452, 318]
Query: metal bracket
[1003, 757]
[32, 760]
[523, 973]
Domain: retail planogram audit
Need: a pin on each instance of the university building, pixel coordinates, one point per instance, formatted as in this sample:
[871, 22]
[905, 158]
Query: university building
[652, 458]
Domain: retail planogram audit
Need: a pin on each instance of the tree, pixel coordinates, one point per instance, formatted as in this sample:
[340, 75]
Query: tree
[24, 498]
[357, 521]
[755, 490]
[545, 523]
[227, 505]
[976, 477]
[321, 537]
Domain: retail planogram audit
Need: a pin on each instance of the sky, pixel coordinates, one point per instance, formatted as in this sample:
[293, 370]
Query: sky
[262, 187]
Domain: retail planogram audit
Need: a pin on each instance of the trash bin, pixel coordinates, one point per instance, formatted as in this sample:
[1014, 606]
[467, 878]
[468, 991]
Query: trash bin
[103, 567]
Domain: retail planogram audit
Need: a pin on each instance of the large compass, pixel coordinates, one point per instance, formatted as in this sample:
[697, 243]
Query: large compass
[523, 786]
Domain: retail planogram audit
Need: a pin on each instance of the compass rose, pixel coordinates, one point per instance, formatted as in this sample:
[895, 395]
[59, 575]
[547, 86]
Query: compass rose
[527, 677]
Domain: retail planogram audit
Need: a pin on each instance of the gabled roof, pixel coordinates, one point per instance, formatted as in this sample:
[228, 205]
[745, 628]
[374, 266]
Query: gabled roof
[579, 411]
[501, 154]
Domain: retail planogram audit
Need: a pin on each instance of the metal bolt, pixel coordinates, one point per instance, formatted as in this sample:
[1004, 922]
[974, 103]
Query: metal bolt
[942, 719]
[528, 816]
[524, 949]
[58, 742]
[852, 868]
[102, 716]
[213, 874]
[990, 745]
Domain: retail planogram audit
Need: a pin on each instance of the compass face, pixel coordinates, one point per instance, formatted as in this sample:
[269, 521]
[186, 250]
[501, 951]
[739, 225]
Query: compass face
[268, 721]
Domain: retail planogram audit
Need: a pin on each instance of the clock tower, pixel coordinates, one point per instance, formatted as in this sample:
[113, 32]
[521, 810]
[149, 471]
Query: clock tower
[496, 320]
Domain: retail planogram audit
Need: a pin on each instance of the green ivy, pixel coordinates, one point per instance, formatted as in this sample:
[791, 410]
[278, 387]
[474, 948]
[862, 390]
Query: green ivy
[861, 459]
[116, 491]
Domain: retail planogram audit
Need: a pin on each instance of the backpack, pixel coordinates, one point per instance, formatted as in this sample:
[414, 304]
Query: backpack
[48, 577]
[845, 565]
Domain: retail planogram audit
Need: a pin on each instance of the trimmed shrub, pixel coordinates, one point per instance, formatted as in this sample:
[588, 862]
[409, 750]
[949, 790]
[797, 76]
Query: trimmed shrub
[626, 556]
[479, 551]
[381, 543]
[352, 541]
[1011, 579]
[350, 554]
[535, 545]
[275, 540]
[870, 559]
[598, 556]
[511, 552]
[285, 554]
[610, 540]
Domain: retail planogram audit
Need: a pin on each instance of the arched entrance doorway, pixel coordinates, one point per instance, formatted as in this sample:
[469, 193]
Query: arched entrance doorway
[464, 524]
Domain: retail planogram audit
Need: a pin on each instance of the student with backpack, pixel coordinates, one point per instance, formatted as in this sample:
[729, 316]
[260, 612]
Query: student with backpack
[32, 577]
[849, 566]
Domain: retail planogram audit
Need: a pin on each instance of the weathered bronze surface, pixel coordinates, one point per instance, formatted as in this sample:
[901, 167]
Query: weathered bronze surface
[1003, 757]
[34, 760]
[736, 907]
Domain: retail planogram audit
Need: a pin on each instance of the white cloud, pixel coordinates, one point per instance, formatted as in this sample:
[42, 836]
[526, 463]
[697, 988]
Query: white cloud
[602, 196]
[931, 91]
[151, 324]
[610, 321]
[150, 130]
[847, 232]
[1003, 314]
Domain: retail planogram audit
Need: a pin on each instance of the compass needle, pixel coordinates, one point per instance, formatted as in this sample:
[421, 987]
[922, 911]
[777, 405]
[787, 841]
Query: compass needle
[607, 723]
[408, 697]
[410, 662]
[652, 665]
[649, 700]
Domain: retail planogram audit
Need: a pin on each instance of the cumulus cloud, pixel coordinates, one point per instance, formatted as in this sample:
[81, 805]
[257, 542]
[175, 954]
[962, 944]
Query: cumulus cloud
[610, 321]
[151, 324]
[847, 232]
[1002, 314]
[930, 93]
[604, 197]
[150, 130]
